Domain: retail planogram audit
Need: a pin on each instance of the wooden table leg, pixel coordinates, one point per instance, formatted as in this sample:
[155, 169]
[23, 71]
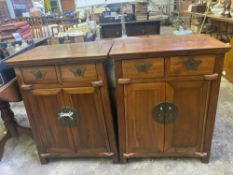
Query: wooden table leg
[11, 125]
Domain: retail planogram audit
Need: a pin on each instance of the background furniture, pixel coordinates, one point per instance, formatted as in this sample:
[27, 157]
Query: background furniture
[9, 92]
[66, 98]
[166, 92]
[228, 64]
[133, 28]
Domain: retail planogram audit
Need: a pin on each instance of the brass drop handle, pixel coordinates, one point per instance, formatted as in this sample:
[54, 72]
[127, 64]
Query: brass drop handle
[192, 64]
[78, 71]
[144, 67]
[97, 83]
[39, 75]
[26, 87]
[124, 80]
[211, 77]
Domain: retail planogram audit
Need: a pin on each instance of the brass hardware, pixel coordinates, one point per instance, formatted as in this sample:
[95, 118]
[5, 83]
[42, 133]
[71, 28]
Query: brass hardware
[171, 112]
[26, 87]
[97, 83]
[109, 154]
[78, 71]
[211, 77]
[68, 116]
[39, 75]
[128, 154]
[124, 80]
[143, 67]
[201, 154]
[158, 112]
[192, 64]
[164, 112]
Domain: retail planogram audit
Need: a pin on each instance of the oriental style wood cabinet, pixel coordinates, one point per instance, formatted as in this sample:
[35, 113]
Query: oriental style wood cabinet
[66, 99]
[166, 97]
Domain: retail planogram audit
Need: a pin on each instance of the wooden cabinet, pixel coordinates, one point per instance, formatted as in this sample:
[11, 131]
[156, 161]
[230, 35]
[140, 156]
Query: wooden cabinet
[166, 98]
[66, 99]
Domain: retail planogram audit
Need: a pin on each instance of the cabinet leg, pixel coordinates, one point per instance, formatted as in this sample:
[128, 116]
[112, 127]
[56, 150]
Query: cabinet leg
[43, 160]
[123, 160]
[115, 158]
[205, 159]
[11, 126]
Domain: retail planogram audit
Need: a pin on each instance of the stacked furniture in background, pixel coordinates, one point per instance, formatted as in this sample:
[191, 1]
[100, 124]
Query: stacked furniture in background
[22, 27]
[141, 10]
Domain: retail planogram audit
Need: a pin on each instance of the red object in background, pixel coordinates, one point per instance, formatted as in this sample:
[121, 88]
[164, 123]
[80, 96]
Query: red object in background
[4, 13]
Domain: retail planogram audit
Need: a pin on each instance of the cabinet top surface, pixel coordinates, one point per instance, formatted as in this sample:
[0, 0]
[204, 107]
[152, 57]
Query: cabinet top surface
[63, 53]
[166, 44]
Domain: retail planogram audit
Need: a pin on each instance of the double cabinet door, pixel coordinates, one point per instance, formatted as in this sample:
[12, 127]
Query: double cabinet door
[165, 117]
[69, 121]
[165, 105]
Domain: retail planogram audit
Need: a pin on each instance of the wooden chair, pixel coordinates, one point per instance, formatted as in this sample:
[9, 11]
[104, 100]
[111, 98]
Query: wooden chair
[40, 31]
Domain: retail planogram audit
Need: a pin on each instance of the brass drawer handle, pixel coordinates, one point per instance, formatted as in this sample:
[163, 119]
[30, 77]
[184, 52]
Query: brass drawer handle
[78, 71]
[143, 67]
[211, 77]
[39, 75]
[192, 64]
[97, 83]
[124, 81]
[26, 87]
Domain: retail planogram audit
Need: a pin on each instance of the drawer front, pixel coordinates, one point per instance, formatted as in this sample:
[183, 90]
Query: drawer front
[191, 65]
[143, 68]
[37, 75]
[80, 72]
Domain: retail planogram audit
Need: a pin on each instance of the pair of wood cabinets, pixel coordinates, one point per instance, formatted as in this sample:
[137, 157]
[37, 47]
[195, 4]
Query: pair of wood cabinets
[165, 97]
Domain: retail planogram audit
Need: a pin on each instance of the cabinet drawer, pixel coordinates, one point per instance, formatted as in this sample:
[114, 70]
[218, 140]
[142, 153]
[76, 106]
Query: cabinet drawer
[191, 65]
[41, 74]
[80, 72]
[143, 68]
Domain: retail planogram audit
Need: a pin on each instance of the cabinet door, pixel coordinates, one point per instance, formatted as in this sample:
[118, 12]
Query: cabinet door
[144, 135]
[90, 135]
[53, 136]
[185, 133]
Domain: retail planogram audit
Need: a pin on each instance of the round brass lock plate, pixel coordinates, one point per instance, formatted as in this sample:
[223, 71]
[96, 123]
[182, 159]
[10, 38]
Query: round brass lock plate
[68, 116]
[171, 112]
[165, 112]
[158, 112]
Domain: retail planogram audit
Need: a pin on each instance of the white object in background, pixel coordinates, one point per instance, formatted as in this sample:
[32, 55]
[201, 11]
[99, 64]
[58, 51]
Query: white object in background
[10, 48]
[182, 31]
[17, 48]
[24, 44]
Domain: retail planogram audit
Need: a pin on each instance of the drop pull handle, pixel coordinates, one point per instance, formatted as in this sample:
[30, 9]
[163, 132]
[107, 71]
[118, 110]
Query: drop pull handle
[26, 87]
[124, 80]
[211, 77]
[97, 83]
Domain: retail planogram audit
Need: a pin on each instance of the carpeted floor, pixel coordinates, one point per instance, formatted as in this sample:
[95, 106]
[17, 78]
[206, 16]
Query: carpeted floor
[20, 157]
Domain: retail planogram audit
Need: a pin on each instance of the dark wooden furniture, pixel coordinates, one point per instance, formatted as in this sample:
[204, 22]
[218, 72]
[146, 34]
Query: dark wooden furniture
[167, 90]
[133, 28]
[66, 98]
